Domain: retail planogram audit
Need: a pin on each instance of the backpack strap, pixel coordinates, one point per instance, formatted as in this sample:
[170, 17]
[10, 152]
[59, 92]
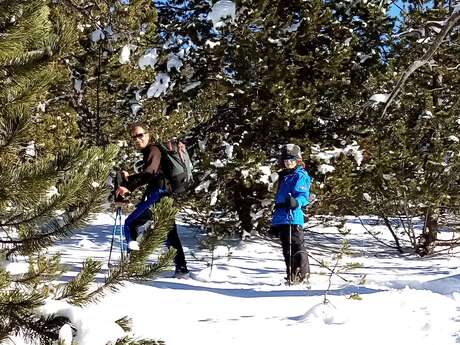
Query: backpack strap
[181, 151]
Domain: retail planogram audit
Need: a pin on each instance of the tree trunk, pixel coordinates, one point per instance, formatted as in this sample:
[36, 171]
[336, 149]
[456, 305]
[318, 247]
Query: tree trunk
[428, 238]
[243, 205]
[393, 233]
[437, 84]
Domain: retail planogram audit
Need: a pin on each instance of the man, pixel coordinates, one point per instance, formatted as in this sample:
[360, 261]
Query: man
[157, 186]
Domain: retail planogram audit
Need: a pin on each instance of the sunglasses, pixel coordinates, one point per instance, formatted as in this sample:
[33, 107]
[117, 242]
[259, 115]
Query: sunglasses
[138, 136]
[290, 160]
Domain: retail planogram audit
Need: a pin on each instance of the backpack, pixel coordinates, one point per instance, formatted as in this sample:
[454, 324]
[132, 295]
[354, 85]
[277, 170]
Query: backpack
[176, 165]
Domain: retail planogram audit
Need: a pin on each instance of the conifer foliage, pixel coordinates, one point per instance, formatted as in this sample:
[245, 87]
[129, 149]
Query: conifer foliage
[110, 61]
[46, 195]
[288, 72]
[409, 175]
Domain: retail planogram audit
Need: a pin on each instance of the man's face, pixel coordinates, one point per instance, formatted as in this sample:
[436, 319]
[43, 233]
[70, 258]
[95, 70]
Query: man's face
[140, 137]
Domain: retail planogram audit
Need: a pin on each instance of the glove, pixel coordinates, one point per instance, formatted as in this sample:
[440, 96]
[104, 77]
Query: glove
[291, 202]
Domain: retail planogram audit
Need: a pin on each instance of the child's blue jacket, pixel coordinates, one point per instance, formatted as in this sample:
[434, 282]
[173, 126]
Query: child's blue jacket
[297, 183]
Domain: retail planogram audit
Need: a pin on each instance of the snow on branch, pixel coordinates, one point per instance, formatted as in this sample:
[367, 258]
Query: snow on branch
[453, 19]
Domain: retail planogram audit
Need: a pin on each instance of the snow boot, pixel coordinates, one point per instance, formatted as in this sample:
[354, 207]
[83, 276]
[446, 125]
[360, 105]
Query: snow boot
[181, 273]
[133, 245]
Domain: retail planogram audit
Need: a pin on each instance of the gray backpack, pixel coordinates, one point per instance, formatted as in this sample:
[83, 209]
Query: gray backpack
[176, 165]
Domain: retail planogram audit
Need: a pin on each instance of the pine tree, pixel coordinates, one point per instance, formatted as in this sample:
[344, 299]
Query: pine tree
[290, 72]
[108, 40]
[425, 123]
[411, 169]
[47, 195]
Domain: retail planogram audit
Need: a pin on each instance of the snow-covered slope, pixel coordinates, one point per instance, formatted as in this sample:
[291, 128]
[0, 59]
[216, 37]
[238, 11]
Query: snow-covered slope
[241, 299]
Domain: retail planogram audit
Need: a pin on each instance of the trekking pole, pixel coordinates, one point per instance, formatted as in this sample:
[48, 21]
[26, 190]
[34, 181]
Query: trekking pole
[290, 254]
[290, 245]
[121, 235]
[113, 236]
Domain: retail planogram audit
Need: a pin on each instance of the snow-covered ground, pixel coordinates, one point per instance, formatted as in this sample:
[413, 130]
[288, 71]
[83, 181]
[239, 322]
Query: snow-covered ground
[242, 300]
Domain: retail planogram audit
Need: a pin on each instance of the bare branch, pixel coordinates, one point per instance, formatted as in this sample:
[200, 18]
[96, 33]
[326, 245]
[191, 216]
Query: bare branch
[450, 23]
[453, 68]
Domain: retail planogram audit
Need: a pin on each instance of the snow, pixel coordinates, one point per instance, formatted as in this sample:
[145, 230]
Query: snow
[237, 296]
[363, 57]
[191, 86]
[41, 106]
[15, 267]
[97, 35]
[328, 154]
[214, 195]
[325, 168]
[456, 9]
[294, 26]
[427, 114]
[31, 149]
[220, 10]
[228, 148]
[202, 145]
[454, 138]
[204, 186]
[174, 62]
[212, 44]
[424, 40]
[65, 335]
[52, 191]
[265, 174]
[275, 41]
[367, 197]
[218, 163]
[77, 84]
[93, 328]
[159, 86]
[125, 54]
[379, 97]
[135, 107]
[436, 25]
[148, 59]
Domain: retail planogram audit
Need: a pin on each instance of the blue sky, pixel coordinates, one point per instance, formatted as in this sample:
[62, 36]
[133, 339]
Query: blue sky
[394, 10]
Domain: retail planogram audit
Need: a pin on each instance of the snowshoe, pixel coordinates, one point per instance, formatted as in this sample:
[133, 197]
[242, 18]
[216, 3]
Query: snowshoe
[297, 279]
[181, 273]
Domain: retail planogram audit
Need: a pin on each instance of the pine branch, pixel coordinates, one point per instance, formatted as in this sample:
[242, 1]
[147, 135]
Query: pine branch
[27, 86]
[125, 323]
[33, 327]
[31, 32]
[34, 240]
[40, 269]
[135, 267]
[5, 279]
[127, 340]
[76, 290]
[77, 187]
[16, 308]
[13, 131]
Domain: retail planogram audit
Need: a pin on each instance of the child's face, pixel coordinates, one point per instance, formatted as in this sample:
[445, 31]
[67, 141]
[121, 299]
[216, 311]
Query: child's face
[290, 163]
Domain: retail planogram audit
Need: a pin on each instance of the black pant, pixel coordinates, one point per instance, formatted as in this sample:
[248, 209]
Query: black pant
[172, 239]
[297, 259]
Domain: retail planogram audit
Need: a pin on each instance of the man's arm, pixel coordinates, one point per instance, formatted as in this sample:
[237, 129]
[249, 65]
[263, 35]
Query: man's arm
[151, 167]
